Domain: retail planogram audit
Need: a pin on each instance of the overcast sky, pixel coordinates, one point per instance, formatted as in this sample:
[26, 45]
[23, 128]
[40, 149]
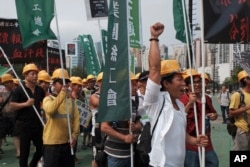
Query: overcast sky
[72, 19]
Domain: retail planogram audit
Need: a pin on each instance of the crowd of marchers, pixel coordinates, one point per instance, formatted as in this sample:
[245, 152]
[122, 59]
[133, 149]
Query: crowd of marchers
[45, 110]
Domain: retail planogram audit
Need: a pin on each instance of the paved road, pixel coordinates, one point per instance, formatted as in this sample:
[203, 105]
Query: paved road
[221, 140]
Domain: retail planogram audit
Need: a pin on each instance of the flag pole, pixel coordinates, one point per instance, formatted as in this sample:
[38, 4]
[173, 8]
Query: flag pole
[141, 38]
[191, 76]
[203, 99]
[130, 104]
[21, 84]
[64, 82]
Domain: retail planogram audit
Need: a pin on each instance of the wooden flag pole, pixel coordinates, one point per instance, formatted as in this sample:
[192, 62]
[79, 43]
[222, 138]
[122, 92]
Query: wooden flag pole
[21, 84]
[64, 83]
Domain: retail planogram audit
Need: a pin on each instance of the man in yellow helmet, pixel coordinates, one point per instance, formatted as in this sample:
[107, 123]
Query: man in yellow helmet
[164, 88]
[29, 126]
[76, 89]
[188, 99]
[56, 137]
[44, 81]
[241, 113]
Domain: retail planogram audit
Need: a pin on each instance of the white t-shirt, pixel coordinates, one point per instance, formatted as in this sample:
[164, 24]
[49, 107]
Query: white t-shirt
[224, 98]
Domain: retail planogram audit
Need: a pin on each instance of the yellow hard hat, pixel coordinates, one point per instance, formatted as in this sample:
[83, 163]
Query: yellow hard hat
[99, 77]
[84, 80]
[170, 66]
[60, 74]
[90, 76]
[188, 73]
[6, 78]
[242, 74]
[133, 76]
[138, 75]
[44, 76]
[16, 81]
[29, 67]
[76, 80]
[206, 77]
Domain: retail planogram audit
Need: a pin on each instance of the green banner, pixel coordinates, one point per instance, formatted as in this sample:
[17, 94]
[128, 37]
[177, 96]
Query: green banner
[179, 23]
[90, 57]
[34, 17]
[115, 96]
[134, 24]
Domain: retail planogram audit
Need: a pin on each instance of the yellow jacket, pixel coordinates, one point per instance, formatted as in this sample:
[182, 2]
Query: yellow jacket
[56, 128]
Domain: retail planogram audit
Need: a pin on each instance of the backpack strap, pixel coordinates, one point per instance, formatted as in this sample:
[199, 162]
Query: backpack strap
[158, 115]
[242, 104]
[6, 101]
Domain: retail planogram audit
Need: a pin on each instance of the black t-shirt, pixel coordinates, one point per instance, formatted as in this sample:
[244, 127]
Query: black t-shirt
[28, 114]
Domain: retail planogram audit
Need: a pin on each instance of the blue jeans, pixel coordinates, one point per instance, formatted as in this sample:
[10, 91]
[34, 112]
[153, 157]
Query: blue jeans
[192, 159]
[118, 162]
[224, 112]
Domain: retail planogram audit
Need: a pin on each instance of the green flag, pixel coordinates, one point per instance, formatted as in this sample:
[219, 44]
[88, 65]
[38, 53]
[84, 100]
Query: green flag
[115, 93]
[91, 61]
[179, 20]
[134, 24]
[34, 17]
[3, 70]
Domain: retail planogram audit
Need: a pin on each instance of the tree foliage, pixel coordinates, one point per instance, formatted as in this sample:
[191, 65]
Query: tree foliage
[78, 71]
[232, 81]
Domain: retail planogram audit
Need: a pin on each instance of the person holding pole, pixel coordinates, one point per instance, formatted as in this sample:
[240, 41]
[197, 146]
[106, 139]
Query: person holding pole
[188, 99]
[28, 123]
[117, 145]
[58, 143]
[165, 83]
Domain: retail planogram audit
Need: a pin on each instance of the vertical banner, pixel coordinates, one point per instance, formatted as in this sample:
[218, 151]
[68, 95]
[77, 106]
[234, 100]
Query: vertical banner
[91, 61]
[115, 92]
[34, 17]
[227, 21]
[134, 24]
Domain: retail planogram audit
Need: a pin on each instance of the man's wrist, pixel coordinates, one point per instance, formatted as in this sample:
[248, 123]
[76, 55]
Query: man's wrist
[154, 39]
